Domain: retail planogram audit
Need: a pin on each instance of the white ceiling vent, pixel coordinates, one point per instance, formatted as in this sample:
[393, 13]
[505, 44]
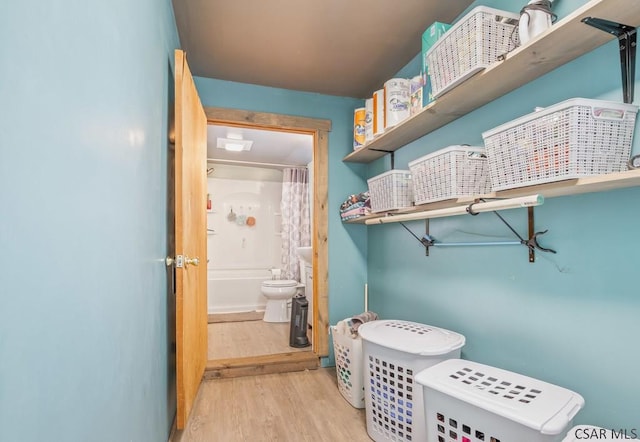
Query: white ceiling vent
[233, 145]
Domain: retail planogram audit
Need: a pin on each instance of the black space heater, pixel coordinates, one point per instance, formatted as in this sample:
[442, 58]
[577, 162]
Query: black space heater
[298, 330]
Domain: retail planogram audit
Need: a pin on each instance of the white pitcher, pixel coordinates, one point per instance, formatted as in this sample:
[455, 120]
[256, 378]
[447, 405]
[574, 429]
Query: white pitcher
[535, 18]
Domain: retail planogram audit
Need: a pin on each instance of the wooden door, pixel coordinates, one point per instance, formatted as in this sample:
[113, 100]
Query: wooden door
[190, 239]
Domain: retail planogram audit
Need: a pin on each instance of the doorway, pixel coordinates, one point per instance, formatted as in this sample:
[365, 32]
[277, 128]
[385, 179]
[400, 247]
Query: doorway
[280, 358]
[257, 221]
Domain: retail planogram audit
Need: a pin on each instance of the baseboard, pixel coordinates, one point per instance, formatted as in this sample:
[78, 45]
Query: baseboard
[257, 365]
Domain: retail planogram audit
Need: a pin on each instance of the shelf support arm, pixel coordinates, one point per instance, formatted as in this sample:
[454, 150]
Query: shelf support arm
[393, 158]
[532, 243]
[532, 234]
[627, 36]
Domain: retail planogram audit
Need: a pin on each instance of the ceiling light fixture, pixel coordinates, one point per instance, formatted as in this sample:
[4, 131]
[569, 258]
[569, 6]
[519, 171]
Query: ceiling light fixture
[233, 145]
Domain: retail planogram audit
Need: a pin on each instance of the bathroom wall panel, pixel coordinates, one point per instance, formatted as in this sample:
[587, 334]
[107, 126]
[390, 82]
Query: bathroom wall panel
[241, 255]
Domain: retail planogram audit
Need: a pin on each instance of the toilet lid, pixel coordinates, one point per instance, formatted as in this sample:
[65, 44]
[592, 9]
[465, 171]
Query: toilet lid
[280, 283]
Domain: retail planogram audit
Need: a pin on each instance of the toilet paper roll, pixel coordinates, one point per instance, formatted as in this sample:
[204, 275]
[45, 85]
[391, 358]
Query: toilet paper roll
[396, 101]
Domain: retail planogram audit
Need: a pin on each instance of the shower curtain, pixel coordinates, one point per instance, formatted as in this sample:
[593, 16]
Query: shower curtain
[296, 224]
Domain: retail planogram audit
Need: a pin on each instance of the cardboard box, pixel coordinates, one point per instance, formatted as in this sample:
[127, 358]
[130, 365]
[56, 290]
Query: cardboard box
[415, 89]
[429, 38]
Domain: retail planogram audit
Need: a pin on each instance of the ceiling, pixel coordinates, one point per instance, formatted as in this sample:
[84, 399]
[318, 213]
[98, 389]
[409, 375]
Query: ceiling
[270, 148]
[337, 47]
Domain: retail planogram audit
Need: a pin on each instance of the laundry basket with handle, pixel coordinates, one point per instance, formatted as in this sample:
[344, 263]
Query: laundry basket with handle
[348, 354]
[468, 401]
[394, 352]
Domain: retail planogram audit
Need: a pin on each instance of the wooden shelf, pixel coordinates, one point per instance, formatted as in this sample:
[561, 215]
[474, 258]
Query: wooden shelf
[592, 184]
[563, 42]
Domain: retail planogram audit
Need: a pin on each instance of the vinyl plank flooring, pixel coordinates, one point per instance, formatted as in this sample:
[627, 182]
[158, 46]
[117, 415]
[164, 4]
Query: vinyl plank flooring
[300, 406]
[248, 338]
[236, 317]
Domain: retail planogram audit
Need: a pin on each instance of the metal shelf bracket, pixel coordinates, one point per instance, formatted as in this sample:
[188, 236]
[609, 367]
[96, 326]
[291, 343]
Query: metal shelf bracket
[531, 243]
[627, 36]
[392, 156]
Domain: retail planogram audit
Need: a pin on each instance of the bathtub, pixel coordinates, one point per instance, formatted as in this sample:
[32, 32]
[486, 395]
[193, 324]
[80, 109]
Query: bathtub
[231, 291]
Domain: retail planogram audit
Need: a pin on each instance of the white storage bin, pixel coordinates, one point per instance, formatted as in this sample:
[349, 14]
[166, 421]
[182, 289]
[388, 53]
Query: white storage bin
[468, 401]
[452, 172]
[472, 44]
[394, 351]
[391, 190]
[573, 138]
[348, 354]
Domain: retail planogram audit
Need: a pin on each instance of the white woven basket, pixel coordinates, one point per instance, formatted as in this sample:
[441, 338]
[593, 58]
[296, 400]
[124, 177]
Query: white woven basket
[574, 138]
[391, 190]
[472, 44]
[452, 172]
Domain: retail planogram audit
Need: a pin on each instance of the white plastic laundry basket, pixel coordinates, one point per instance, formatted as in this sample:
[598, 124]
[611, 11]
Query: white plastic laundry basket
[467, 401]
[348, 354]
[394, 351]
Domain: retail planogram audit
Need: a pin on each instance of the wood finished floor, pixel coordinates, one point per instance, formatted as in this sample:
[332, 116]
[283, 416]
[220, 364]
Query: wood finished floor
[248, 338]
[303, 406]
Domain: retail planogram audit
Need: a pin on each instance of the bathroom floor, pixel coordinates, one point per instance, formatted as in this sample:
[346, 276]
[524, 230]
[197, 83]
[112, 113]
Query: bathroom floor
[249, 336]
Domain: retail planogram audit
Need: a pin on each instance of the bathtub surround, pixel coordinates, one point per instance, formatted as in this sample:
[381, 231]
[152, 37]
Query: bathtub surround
[296, 224]
[241, 255]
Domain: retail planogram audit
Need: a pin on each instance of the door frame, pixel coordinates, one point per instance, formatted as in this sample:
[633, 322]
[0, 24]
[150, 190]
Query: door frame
[319, 129]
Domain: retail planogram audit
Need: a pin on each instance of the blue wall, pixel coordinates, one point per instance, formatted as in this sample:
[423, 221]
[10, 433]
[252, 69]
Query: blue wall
[84, 326]
[347, 244]
[83, 305]
[571, 318]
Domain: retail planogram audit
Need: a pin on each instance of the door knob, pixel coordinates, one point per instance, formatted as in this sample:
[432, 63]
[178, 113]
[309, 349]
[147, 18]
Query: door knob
[192, 261]
[181, 261]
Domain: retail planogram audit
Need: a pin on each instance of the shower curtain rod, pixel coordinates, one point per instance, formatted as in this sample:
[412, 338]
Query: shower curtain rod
[252, 163]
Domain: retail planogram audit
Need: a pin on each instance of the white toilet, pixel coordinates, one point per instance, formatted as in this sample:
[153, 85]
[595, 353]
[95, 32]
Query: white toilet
[278, 293]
